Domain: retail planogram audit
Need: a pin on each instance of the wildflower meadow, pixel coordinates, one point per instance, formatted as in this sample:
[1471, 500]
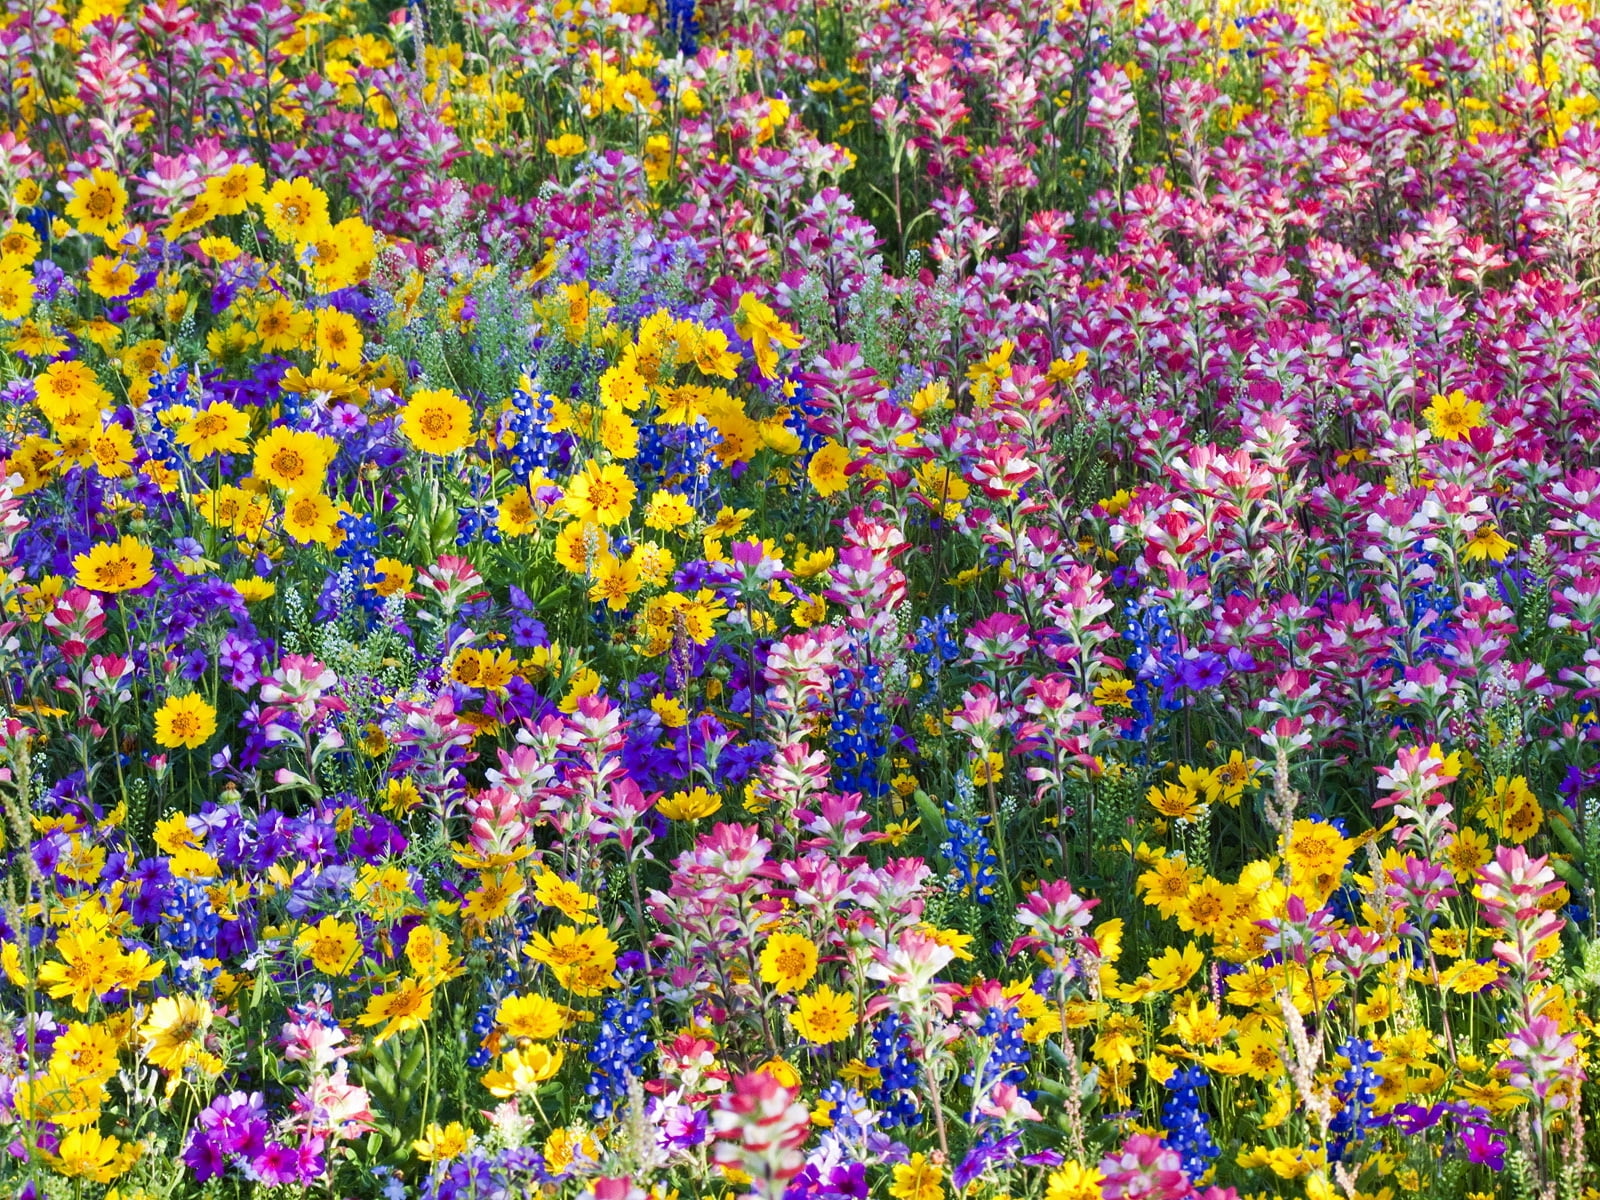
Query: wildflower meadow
[894, 599]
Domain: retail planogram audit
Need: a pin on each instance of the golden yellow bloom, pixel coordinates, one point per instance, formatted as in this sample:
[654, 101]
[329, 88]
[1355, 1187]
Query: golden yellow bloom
[442, 1144]
[173, 1035]
[294, 208]
[115, 567]
[402, 1008]
[602, 495]
[788, 961]
[824, 1016]
[826, 470]
[917, 1179]
[693, 805]
[99, 203]
[437, 421]
[293, 459]
[331, 944]
[217, 429]
[185, 721]
[533, 1017]
[524, 1069]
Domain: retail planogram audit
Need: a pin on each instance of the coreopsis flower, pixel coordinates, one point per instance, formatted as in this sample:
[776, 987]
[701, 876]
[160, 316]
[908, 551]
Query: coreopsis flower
[824, 1016]
[826, 470]
[443, 1143]
[86, 1154]
[310, 517]
[917, 1179]
[173, 1035]
[220, 428]
[293, 460]
[760, 326]
[600, 495]
[293, 209]
[187, 721]
[331, 946]
[437, 421]
[1453, 416]
[788, 961]
[533, 1017]
[121, 566]
[695, 804]
[522, 1070]
[403, 1007]
[99, 204]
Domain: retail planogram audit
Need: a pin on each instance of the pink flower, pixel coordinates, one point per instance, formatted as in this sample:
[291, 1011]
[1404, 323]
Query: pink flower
[761, 1126]
[1143, 1169]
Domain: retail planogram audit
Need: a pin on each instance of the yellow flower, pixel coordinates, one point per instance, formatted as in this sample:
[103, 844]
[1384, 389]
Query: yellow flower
[494, 895]
[111, 450]
[917, 1179]
[99, 203]
[185, 721]
[668, 510]
[402, 1008]
[330, 944]
[217, 429]
[824, 1016]
[16, 291]
[1466, 852]
[293, 459]
[615, 581]
[693, 805]
[582, 960]
[532, 1017]
[437, 421]
[281, 326]
[524, 1069]
[442, 1144]
[760, 326]
[827, 467]
[115, 567]
[1486, 543]
[310, 517]
[85, 1154]
[70, 396]
[110, 277]
[1074, 1181]
[601, 495]
[338, 339]
[390, 575]
[240, 185]
[671, 711]
[294, 208]
[1454, 416]
[788, 961]
[254, 590]
[571, 900]
[174, 1033]
[566, 146]
[87, 1052]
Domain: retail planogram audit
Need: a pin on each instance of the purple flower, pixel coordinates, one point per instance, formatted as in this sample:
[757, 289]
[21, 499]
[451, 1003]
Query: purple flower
[1485, 1146]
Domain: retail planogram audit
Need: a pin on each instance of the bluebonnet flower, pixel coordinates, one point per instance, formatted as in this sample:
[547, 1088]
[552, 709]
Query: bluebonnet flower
[858, 734]
[968, 846]
[898, 1074]
[1356, 1089]
[619, 1049]
[1187, 1127]
[935, 637]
